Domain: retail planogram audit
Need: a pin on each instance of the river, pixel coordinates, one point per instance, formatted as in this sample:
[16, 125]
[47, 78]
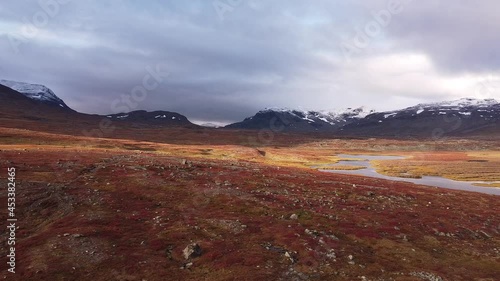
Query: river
[369, 171]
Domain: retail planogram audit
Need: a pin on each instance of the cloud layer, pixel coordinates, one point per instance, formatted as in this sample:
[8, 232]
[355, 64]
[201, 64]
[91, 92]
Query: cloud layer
[229, 59]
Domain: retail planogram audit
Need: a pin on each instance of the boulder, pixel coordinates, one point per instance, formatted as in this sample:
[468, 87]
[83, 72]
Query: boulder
[191, 251]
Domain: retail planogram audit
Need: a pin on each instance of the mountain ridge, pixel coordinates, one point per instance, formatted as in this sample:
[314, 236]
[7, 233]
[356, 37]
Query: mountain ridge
[461, 117]
[301, 120]
[455, 117]
[38, 102]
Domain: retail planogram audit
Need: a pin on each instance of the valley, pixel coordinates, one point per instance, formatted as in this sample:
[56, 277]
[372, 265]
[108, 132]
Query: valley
[125, 208]
[144, 195]
[234, 140]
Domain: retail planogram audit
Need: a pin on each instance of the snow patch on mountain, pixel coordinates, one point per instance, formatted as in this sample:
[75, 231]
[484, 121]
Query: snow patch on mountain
[463, 106]
[464, 102]
[331, 117]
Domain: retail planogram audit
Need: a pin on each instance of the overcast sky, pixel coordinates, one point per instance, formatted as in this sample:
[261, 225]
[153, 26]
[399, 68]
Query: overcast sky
[227, 59]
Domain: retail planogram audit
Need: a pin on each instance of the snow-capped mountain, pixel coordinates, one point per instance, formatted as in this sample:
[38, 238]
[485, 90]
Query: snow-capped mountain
[455, 117]
[433, 120]
[35, 92]
[301, 120]
[463, 117]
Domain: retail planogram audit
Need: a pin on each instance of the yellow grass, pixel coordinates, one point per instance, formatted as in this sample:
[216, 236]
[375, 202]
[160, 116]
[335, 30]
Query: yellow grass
[449, 159]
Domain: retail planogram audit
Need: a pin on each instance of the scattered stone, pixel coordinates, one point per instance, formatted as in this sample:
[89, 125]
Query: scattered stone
[351, 260]
[187, 265]
[290, 257]
[294, 217]
[234, 226]
[311, 232]
[183, 162]
[427, 276]
[270, 247]
[331, 254]
[192, 251]
[77, 235]
[168, 252]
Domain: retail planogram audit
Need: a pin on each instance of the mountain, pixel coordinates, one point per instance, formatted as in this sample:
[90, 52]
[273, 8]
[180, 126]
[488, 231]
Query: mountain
[162, 118]
[15, 105]
[36, 92]
[301, 121]
[24, 101]
[461, 117]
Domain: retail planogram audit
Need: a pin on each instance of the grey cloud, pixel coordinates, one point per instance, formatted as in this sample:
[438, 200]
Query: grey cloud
[460, 36]
[279, 53]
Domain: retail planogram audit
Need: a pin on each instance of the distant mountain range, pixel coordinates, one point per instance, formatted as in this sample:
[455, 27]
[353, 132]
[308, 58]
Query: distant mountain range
[461, 117]
[302, 121]
[464, 117]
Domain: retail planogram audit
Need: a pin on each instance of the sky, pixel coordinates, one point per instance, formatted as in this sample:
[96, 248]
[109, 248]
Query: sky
[223, 60]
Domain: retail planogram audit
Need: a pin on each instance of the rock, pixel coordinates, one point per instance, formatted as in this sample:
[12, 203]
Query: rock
[187, 265]
[192, 251]
[294, 217]
[77, 235]
[311, 232]
[331, 254]
[290, 257]
[427, 276]
[183, 162]
[351, 260]
[168, 252]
